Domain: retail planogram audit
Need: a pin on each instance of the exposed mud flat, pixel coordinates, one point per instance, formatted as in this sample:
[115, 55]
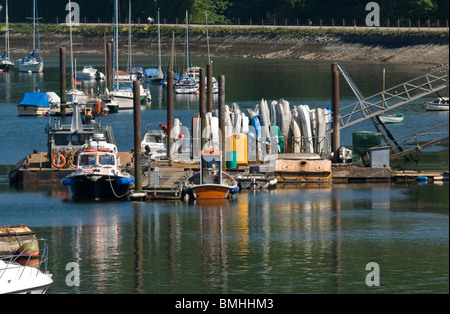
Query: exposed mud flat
[429, 50]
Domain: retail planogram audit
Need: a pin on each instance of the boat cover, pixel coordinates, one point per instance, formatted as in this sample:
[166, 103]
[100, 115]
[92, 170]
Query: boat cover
[35, 99]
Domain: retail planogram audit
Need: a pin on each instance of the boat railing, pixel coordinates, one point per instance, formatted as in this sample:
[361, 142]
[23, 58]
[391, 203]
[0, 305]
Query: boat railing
[23, 258]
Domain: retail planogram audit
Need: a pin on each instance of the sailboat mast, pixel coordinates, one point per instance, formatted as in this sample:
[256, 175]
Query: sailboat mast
[7, 30]
[72, 78]
[34, 25]
[159, 46]
[187, 41]
[129, 36]
[207, 36]
[116, 42]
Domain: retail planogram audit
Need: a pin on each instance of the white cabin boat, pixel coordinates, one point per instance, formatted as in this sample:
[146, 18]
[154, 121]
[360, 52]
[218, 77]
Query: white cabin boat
[439, 104]
[89, 73]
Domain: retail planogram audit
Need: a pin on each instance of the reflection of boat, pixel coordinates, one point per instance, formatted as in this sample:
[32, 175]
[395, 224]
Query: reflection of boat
[98, 175]
[211, 181]
[89, 73]
[33, 104]
[156, 142]
[439, 104]
[20, 273]
[396, 118]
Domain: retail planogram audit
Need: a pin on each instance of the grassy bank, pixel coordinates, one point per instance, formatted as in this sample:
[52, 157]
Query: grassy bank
[267, 31]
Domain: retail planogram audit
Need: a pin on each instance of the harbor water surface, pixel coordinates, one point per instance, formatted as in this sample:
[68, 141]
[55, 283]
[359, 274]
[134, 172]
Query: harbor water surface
[302, 239]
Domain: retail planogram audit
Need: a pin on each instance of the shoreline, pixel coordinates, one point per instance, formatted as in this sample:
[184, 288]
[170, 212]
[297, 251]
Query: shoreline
[391, 48]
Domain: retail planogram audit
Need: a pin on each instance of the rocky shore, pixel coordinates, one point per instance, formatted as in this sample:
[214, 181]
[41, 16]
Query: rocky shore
[396, 48]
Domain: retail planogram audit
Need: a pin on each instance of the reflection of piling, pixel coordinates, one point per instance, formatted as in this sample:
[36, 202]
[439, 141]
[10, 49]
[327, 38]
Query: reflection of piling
[336, 142]
[62, 78]
[137, 135]
[222, 118]
[209, 86]
[169, 113]
[201, 104]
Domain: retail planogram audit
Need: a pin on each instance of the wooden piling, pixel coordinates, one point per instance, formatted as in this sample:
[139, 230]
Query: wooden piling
[209, 86]
[109, 62]
[62, 78]
[170, 104]
[202, 108]
[137, 135]
[336, 139]
[222, 119]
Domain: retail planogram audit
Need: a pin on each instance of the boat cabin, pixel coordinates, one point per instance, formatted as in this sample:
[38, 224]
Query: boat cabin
[211, 166]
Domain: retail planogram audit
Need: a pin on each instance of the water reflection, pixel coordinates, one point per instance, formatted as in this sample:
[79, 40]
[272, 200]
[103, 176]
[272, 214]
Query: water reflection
[284, 241]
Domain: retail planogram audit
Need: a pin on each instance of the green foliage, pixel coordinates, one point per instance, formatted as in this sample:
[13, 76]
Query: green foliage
[234, 11]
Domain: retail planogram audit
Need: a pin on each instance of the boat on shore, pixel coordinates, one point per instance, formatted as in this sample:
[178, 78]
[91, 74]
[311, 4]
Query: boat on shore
[98, 175]
[394, 118]
[439, 104]
[211, 182]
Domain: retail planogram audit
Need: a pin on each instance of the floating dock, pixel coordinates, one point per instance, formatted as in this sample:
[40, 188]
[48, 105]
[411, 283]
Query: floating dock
[166, 179]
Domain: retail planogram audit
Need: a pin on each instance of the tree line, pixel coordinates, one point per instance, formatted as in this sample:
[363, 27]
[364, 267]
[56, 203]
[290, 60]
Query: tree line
[259, 12]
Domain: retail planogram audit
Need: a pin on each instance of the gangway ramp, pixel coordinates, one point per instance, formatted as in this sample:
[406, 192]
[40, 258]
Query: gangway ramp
[372, 106]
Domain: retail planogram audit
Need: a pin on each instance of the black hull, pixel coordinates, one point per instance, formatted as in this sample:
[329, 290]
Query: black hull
[98, 188]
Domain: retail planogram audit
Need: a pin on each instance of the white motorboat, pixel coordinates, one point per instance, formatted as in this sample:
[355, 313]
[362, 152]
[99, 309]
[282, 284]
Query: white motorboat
[98, 175]
[122, 96]
[89, 73]
[154, 143]
[439, 104]
[25, 274]
[31, 63]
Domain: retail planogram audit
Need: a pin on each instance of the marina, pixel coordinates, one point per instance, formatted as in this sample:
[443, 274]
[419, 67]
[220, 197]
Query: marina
[299, 214]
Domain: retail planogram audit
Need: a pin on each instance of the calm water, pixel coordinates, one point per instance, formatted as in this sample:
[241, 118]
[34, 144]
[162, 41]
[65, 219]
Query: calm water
[311, 240]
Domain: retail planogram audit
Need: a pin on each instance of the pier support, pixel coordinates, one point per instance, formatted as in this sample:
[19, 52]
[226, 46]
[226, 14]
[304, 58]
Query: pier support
[170, 105]
[209, 86]
[222, 119]
[336, 139]
[62, 78]
[137, 135]
[109, 64]
[202, 108]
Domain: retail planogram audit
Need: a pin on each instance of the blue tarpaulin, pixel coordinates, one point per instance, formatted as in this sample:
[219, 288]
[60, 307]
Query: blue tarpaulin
[150, 72]
[35, 99]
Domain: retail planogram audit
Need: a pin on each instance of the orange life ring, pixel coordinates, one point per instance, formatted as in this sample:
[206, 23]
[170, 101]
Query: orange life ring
[62, 160]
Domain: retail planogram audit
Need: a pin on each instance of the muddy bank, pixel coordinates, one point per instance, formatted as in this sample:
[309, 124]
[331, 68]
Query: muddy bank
[429, 50]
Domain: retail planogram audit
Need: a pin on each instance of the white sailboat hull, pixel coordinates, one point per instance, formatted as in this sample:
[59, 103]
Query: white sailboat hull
[34, 67]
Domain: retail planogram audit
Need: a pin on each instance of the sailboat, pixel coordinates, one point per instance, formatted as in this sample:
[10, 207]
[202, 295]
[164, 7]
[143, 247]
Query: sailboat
[5, 60]
[122, 94]
[189, 82]
[31, 63]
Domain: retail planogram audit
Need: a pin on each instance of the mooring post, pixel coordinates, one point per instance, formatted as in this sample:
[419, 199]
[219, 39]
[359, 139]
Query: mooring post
[222, 119]
[209, 86]
[109, 56]
[62, 78]
[137, 135]
[202, 108]
[169, 113]
[336, 139]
